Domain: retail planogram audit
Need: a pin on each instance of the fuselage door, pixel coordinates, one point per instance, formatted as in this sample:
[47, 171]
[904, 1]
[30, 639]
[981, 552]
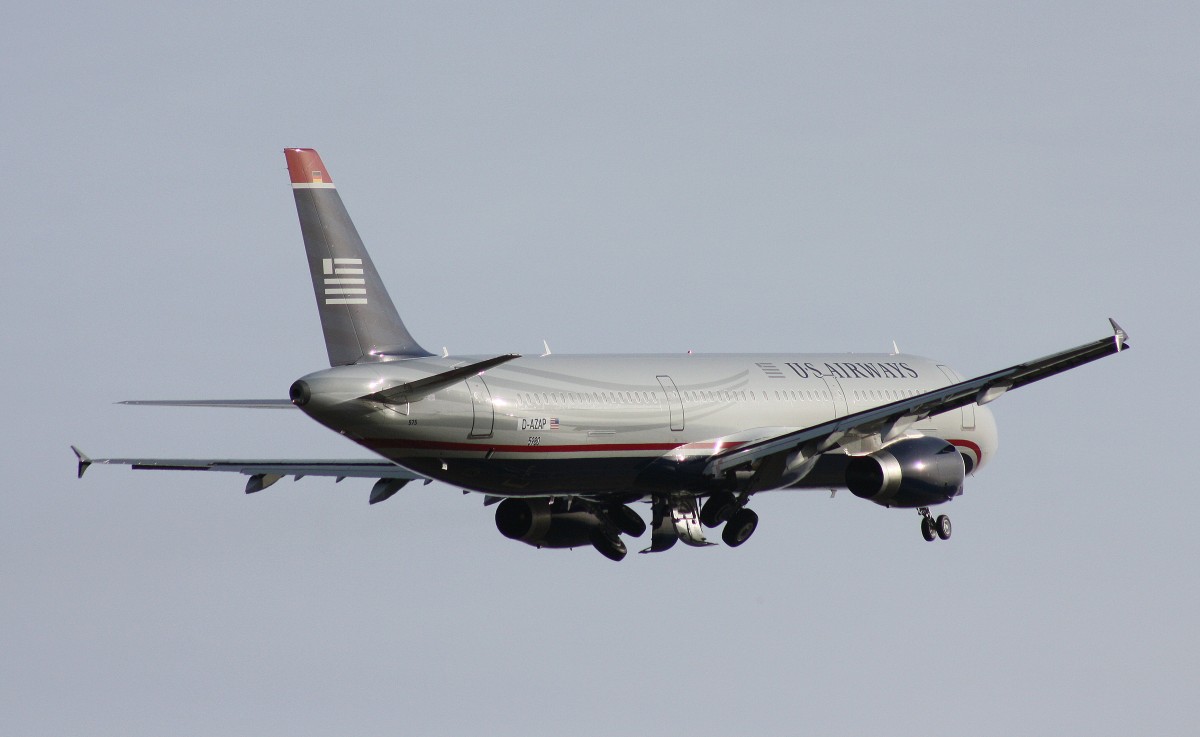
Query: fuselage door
[484, 414]
[674, 401]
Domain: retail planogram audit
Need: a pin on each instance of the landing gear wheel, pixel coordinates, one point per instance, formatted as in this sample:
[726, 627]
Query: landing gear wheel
[942, 525]
[719, 507]
[610, 546]
[627, 521]
[739, 529]
[927, 530]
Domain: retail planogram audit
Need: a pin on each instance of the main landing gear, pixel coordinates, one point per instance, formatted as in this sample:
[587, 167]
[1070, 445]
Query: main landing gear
[724, 507]
[620, 520]
[934, 528]
[608, 543]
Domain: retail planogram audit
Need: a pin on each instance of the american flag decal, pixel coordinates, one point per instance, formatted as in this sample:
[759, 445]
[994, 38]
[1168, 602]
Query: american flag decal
[344, 284]
[553, 423]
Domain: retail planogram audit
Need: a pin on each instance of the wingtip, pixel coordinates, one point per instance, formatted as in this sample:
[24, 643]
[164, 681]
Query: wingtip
[84, 461]
[1119, 335]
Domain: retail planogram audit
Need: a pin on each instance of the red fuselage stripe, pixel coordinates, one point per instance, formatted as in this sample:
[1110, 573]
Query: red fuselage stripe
[483, 445]
[974, 448]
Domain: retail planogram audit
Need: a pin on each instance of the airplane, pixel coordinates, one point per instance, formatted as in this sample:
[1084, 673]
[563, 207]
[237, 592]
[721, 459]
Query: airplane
[563, 445]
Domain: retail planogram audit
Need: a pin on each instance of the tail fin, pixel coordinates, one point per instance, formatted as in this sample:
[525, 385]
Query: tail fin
[358, 317]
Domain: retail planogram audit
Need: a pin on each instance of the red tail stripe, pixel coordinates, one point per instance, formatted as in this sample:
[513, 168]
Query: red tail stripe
[303, 164]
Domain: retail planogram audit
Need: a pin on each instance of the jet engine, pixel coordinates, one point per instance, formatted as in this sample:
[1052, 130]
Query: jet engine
[544, 524]
[916, 472]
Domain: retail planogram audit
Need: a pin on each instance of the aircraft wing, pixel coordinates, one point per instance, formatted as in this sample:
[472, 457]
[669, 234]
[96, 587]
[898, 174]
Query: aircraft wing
[890, 421]
[263, 473]
[226, 403]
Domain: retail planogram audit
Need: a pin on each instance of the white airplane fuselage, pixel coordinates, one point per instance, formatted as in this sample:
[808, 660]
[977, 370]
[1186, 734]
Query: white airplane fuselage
[573, 440]
[624, 424]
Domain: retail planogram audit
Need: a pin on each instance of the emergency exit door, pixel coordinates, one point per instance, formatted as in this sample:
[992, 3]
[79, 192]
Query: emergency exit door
[674, 401]
[484, 414]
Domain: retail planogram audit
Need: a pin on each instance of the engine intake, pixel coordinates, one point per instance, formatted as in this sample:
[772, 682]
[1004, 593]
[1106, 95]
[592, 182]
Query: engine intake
[916, 472]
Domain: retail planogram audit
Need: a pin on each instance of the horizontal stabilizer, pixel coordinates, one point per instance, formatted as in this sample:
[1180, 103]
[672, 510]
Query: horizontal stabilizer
[411, 391]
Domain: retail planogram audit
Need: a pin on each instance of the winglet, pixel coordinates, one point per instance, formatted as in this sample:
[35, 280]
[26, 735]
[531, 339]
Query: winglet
[1119, 335]
[84, 461]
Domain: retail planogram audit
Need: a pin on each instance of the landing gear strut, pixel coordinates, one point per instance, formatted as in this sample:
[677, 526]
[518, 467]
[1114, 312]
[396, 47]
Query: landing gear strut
[931, 528]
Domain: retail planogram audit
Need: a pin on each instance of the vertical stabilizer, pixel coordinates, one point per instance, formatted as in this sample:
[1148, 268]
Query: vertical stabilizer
[357, 315]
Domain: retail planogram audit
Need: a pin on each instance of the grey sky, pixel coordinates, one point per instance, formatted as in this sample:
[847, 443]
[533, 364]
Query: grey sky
[982, 184]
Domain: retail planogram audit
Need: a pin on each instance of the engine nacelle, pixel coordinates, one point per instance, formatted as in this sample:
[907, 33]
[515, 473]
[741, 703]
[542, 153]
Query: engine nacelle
[916, 472]
[541, 524]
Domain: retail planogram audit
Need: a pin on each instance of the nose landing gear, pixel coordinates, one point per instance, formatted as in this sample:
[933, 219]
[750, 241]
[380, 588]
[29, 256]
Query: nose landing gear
[931, 528]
